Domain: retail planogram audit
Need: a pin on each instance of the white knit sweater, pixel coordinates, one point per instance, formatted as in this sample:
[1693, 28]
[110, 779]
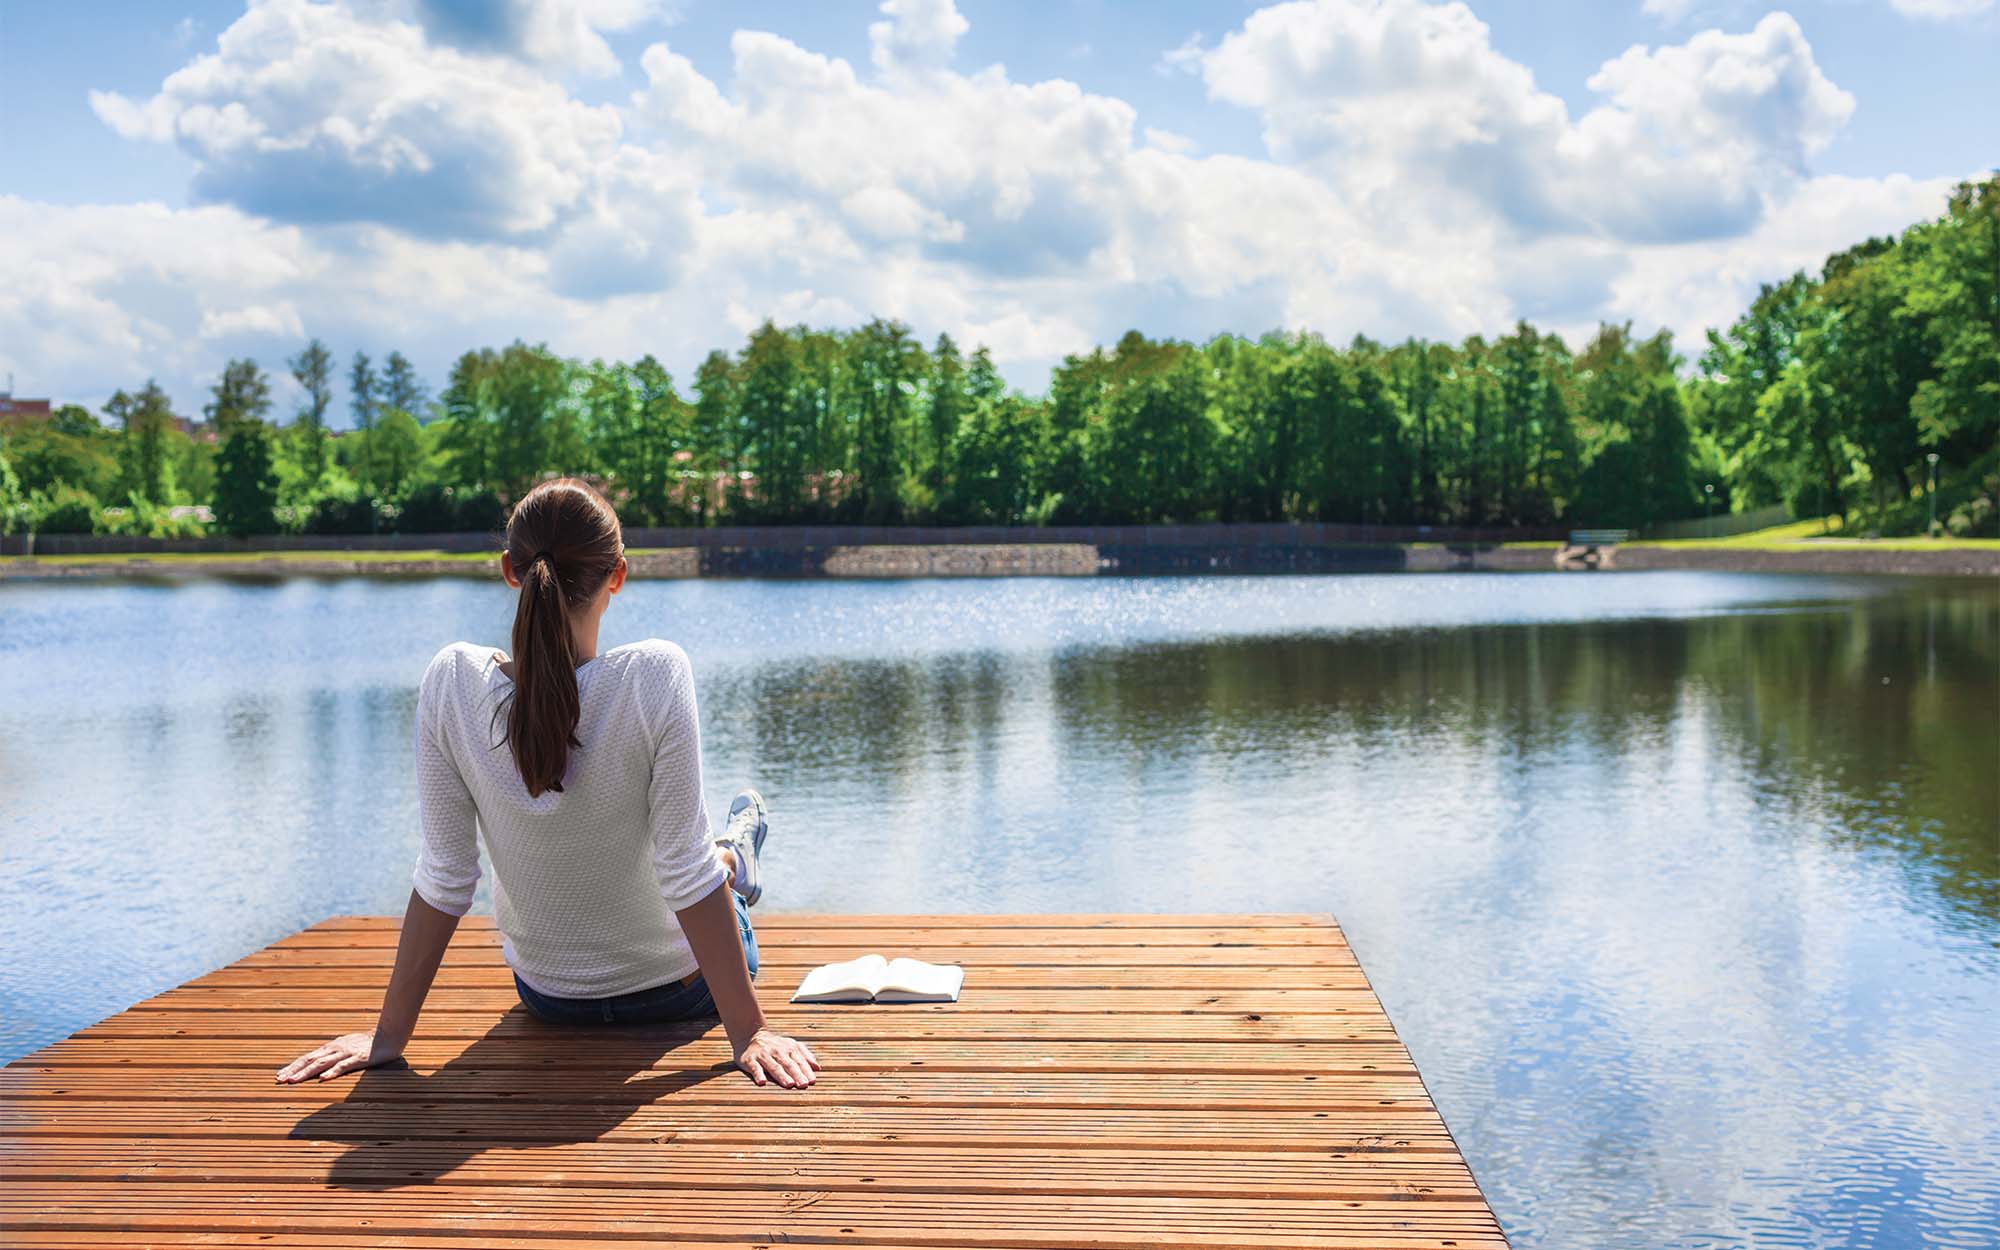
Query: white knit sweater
[585, 881]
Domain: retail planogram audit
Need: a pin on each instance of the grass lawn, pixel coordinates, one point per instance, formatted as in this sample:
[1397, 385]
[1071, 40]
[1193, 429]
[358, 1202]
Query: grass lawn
[256, 557]
[282, 557]
[1805, 535]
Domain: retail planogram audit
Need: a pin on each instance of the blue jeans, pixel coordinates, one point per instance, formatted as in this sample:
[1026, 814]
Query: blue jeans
[656, 1003]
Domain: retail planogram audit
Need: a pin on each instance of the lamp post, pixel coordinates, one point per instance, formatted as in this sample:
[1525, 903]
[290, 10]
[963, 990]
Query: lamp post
[1932, 492]
[1708, 498]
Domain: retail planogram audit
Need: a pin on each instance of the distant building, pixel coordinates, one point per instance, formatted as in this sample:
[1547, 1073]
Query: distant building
[199, 431]
[15, 411]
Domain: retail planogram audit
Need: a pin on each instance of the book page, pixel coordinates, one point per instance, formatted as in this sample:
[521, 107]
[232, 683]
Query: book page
[914, 981]
[854, 981]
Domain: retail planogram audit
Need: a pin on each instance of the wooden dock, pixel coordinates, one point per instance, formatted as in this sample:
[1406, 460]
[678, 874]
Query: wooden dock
[1127, 1081]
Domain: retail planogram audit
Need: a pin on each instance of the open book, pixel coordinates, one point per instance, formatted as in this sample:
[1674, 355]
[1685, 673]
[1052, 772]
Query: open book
[872, 977]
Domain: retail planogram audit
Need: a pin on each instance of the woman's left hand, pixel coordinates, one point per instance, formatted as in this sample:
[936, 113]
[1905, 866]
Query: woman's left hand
[341, 1055]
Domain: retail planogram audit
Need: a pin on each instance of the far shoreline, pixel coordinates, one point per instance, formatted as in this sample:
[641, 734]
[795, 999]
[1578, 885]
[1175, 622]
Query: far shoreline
[1918, 557]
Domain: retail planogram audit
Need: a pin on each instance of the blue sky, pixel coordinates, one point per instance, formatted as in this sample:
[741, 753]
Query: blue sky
[623, 176]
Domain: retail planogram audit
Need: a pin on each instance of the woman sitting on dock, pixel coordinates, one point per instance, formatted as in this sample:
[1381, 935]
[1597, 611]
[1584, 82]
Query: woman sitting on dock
[598, 782]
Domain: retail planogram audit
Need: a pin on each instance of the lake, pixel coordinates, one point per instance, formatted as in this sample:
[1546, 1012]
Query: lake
[1682, 888]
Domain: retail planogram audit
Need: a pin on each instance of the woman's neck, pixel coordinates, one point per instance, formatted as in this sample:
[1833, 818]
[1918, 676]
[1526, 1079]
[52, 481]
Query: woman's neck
[583, 639]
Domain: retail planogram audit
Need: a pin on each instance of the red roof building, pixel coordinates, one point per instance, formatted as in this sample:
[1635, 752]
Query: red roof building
[15, 411]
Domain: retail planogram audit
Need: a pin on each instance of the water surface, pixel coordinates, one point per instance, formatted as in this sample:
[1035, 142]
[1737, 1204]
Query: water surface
[1683, 889]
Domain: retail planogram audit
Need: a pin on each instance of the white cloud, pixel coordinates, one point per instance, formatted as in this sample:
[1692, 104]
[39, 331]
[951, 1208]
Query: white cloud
[1407, 106]
[920, 34]
[1940, 10]
[308, 113]
[1709, 284]
[104, 296]
[555, 34]
[277, 320]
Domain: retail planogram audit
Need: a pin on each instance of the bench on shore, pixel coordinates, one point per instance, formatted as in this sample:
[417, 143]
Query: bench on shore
[1112, 1081]
[1590, 549]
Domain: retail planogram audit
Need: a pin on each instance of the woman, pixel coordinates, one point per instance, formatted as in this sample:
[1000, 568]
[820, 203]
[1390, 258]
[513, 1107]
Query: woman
[584, 771]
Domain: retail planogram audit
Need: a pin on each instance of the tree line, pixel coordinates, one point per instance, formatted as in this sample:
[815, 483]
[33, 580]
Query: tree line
[1831, 394]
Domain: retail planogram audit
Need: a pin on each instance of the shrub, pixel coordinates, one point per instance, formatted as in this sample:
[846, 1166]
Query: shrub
[335, 515]
[429, 509]
[480, 510]
[68, 510]
[435, 509]
[1972, 519]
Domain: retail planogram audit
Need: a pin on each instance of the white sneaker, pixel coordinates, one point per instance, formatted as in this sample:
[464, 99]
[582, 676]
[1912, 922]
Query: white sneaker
[744, 837]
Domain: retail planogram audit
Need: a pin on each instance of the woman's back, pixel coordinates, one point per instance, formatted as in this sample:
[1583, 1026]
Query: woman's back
[586, 878]
[582, 774]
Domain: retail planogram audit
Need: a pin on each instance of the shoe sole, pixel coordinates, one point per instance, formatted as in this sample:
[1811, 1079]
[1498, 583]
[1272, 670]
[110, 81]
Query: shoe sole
[757, 836]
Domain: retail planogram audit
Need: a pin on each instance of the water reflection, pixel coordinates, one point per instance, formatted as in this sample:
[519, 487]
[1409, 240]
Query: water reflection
[1683, 889]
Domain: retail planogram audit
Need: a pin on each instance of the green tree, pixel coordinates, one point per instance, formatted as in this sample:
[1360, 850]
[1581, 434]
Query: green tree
[364, 399]
[887, 364]
[397, 450]
[246, 482]
[467, 436]
[992, 453]
[1158, 430]
[537, 428]
[1870, 357]
[946, 407]
[714, 431]
[1955, 291]
[402, 390]
[71, 448]
[312, 369]
[242, 393]
[13, 500]
[147, 419]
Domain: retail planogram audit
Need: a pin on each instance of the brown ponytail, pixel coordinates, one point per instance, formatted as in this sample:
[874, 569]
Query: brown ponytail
[563, 540]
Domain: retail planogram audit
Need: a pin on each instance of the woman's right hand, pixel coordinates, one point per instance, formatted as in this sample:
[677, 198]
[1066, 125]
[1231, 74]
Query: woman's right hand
[775, 1057]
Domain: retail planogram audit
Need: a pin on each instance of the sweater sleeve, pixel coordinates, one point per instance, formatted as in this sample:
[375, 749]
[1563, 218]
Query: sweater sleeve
[686, 861]
[447, 870]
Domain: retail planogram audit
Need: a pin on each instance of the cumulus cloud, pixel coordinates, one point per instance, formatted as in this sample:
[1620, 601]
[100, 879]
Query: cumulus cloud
[1695, 286]
[920, 34]
[308, 113]
[102, 296]
[1408, 107]
[558, 34]
[415, 174]
[1002, 176]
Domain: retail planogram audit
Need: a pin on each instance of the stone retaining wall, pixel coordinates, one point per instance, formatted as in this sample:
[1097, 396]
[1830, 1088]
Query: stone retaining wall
[1054, 560]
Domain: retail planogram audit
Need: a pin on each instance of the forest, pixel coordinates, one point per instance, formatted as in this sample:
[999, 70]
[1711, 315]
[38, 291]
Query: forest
[1869, 391]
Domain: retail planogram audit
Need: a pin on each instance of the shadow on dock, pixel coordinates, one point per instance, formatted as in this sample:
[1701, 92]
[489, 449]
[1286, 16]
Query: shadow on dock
[411, 1129]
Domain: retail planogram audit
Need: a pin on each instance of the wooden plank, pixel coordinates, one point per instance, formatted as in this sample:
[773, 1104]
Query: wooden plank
[764, 919]
[887, 941]
[631, 1049]
[698, 1214]
[810, 1022]
[1112, 1081]
[556, 1082]
[781, 977]
[833, 1167]
[493, 999]
[87, 1239]
[324, 1110]
[464, 955]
